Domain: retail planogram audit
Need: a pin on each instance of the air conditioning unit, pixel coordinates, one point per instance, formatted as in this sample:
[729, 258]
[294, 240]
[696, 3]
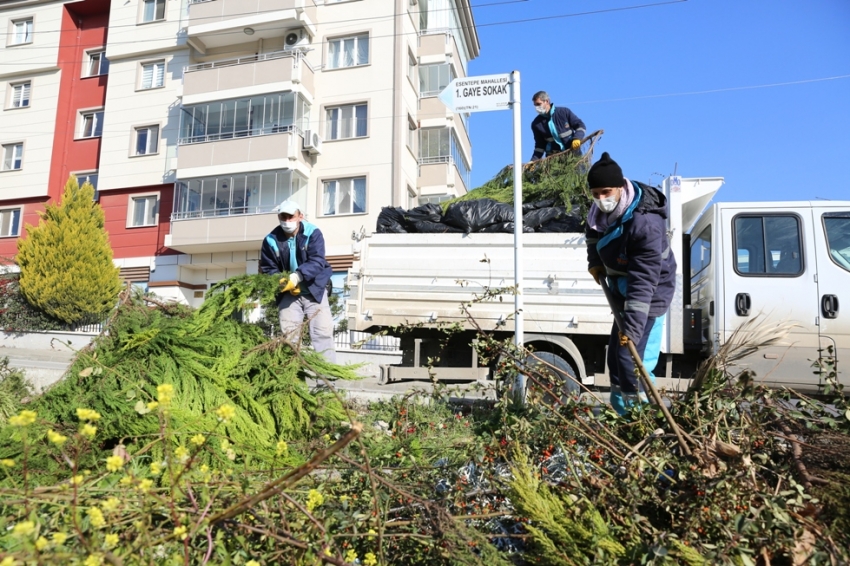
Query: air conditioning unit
[312, 142]
[296, 39]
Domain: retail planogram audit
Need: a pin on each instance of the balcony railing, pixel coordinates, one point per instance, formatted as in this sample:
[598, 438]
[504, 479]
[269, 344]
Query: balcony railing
[297, 54]
[222, 212]
[247, 132]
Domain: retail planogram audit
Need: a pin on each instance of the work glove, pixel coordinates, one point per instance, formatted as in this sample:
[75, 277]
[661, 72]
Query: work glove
[290, 284]
[624, 340]
[576, 144]
[598, 273]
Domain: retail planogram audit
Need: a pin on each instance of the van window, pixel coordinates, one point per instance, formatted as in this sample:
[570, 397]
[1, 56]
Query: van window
[768, 245]
[837, 228]
[701, 252]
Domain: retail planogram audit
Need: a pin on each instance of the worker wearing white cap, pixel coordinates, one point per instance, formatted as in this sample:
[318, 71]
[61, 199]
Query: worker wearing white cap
[297, 247]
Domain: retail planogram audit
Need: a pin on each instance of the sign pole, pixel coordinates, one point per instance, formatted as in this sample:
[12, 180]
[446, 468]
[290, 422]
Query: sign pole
[518, 314]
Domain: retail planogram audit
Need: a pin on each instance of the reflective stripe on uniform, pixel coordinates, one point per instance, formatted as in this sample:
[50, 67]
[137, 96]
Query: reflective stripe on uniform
[636, 306]
[666, 253]
[567, 134]
[615, 272]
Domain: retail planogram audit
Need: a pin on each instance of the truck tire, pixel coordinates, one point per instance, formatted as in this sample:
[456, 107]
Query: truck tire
[564, 372]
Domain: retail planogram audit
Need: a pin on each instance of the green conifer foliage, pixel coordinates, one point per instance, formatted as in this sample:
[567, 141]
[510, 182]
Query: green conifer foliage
[66, 261]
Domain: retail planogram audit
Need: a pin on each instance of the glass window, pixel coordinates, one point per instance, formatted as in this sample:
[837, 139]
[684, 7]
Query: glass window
[701, 252]
[768, 245]
[22, 31]
[346, 122]
[153, 10]
[434, 78]
[13, 156]
[260, 115]
[411, 67]
[246, 193]
[91, 178]
[344, 196]
[153, 74]
[91, 124]
[837, 228]
[348, 51]
[147, 140]
[21, 95]
[98, 64]
[10, 222]
[144, 210]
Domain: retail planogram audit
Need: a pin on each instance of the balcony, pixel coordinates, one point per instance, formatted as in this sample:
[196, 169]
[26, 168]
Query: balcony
[431, 108]
[211, 22]
[231, 233]
[274, 151]
[437, 46]
[442, 172]
[280, 70]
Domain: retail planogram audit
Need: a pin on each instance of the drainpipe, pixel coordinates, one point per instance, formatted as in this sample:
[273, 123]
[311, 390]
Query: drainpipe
[398, 47]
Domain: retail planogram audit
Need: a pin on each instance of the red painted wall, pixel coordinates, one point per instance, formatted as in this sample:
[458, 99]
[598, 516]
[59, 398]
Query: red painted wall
[142, 241]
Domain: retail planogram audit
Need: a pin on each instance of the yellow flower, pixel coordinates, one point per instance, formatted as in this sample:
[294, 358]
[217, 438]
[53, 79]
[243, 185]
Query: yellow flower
[252, 563]
[24, 418]
[56, 438]
[87, 414]
[23, 529]
[126, 480]
[181, 453]
[111, 504]
[7, 463]
[326, 438]
[225, 413]
[165, 393]
[351, 555]
[145, 485]
[114, 463]
[372, 533]
[370, 559]
[96, 517]
[59, 538]
[93, 560]
[8, 561]
[343, 498]
[88, 431]
[78, 479]
[204, 468]
[314, 499]
[282, 447]
[225, 444]
[180, 532]
[328, 551]
[110, 540]
[198, 439]
[156, 468]
[152, 405]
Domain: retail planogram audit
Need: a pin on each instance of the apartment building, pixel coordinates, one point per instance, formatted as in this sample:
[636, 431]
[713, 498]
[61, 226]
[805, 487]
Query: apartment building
[196, 117]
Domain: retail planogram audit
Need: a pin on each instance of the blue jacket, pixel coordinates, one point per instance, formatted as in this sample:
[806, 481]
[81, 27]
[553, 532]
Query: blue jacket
[554, 131]
[313, 268]
[637, 258]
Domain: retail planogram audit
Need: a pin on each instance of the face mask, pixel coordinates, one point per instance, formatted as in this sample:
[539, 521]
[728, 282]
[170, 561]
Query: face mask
[606, 205]
[290, 226]
[540, 109]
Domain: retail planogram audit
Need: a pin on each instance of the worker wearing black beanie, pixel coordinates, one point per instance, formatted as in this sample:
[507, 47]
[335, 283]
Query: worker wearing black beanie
[605, 173]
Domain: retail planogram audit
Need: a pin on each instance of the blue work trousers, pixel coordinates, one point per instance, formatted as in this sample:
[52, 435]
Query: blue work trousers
[626, 387]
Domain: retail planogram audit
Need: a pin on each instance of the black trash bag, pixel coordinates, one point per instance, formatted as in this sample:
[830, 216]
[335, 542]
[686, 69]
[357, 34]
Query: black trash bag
[540, 216]
[430, 212]
[473, 215]
[391, 221]
[565, 223]
[529, 206]
[428, 227]
[504, 227]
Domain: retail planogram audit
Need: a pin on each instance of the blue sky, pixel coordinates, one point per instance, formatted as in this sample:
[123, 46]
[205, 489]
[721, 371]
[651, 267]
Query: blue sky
[788, 142]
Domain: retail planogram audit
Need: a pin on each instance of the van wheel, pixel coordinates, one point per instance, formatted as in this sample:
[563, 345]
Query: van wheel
[558, 371]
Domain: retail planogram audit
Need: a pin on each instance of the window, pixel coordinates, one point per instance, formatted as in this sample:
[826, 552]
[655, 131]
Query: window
[346, 122]
[228, 195]
[147, 140]
[153, 10]
[13, 156]
[440, 145]
[412, 128]
[144, 209]
[22, 31]
[837, 228]
[90, 177]
[344, 196]
[91, 124]
[434, 199]
[348, 51]
[153, 74]
[768, 245]
[412, 73]
[411, 197]
[256, 116]
[434, 78]
[98, 64]
[10, 222]
[20, 95]
[701, 252]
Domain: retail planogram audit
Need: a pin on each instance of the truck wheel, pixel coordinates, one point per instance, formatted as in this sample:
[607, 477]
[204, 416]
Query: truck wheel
[561, 371]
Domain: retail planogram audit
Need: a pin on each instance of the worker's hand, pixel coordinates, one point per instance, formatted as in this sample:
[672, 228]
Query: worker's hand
[624, 340]
[290, 284]
[598, 273]
[576, 144]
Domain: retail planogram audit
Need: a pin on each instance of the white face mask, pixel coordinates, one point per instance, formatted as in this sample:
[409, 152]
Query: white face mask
[540, 109]
[290, 226]
[606, 205]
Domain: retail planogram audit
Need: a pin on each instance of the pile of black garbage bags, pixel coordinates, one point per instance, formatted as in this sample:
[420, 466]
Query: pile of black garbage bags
[481, 215]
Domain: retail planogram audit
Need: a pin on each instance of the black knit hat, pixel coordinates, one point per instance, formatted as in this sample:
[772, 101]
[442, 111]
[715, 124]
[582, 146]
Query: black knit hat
[605, 173]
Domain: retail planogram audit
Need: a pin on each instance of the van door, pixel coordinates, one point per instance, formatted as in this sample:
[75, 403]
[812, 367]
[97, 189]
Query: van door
[769, 273]
[832, 250]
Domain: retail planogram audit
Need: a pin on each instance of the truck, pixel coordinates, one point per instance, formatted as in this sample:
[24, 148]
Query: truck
[783, 263]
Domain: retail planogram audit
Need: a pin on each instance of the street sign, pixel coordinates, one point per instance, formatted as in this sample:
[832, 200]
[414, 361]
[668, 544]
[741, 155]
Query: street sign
[478, 94]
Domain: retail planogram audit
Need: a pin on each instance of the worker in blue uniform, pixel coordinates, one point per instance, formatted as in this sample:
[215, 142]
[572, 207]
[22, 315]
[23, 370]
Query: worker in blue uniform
[556, 128]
